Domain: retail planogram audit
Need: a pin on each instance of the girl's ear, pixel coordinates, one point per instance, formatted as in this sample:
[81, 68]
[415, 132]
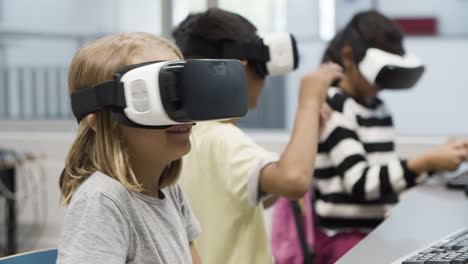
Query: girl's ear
[347, 56]
[245, 63]
[91, 119]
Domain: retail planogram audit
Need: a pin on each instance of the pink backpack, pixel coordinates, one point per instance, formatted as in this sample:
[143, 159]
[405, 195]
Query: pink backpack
[286, 242]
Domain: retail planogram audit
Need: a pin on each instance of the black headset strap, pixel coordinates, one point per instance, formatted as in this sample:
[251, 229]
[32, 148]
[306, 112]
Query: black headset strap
[227, 49]
[200, 47]
[108, 94]
[250, 51]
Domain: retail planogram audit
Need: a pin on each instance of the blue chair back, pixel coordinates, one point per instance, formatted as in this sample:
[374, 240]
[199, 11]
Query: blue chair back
[36, 257]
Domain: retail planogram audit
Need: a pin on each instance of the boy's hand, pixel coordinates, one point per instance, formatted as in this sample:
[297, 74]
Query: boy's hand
[314, 85]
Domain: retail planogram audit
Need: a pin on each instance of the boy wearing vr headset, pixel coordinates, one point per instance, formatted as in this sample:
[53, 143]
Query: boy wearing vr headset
[358, 174]
[227, 176]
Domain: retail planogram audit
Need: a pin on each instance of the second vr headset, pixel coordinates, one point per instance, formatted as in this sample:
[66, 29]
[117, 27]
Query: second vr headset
[272, 54]
[385, 69]
[164, 93]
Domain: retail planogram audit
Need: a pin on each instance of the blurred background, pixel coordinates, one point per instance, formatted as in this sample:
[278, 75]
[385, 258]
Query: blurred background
[39, 38]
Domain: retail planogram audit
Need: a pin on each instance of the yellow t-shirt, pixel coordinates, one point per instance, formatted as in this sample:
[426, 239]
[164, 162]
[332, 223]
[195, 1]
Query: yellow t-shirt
[220, 179]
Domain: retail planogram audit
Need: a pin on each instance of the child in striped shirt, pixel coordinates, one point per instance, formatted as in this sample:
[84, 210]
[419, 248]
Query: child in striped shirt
[358, 174]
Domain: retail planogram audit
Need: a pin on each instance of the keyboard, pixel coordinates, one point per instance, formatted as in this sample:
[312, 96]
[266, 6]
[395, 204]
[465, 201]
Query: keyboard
[451, 250]
[459, 182]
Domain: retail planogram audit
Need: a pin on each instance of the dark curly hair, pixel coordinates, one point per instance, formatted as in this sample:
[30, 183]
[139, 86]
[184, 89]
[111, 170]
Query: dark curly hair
[215, 25]
[373, 28]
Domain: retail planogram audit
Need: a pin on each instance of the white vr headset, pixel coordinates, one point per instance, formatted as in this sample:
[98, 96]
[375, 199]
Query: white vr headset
[384, 69]
[164, 93]
[273, 54]
[390, 71]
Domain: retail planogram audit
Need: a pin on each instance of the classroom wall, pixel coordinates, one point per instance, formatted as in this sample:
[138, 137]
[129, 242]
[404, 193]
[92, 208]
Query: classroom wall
[36, 44]
[63, 28]
[452, 15]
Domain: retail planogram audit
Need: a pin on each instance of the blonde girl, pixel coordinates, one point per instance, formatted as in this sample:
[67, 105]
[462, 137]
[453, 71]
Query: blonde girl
[119, 182]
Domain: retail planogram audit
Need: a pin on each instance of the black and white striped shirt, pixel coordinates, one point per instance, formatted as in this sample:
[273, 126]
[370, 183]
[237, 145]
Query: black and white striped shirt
[358, 175]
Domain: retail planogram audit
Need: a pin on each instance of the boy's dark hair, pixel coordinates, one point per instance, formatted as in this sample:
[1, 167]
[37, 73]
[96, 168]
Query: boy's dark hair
[371, 27]
[215, 25]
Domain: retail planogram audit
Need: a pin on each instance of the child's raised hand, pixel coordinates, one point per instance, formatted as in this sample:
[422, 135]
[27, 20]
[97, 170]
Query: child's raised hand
[314, 84]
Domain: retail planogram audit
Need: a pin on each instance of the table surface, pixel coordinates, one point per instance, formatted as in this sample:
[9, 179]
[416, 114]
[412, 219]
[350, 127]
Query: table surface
[424, 215]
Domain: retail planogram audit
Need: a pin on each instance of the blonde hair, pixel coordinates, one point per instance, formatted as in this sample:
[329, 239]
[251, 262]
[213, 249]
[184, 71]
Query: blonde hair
[105, 149]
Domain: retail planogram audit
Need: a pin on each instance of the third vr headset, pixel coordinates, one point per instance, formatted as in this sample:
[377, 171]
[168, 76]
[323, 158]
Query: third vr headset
[164, 93]
[386, 70]
[273, 54]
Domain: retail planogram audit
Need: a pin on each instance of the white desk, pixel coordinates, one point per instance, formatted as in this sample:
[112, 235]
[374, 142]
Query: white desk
[425, 214]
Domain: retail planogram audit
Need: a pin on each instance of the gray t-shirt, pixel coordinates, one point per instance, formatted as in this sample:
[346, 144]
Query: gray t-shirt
[106, 223]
